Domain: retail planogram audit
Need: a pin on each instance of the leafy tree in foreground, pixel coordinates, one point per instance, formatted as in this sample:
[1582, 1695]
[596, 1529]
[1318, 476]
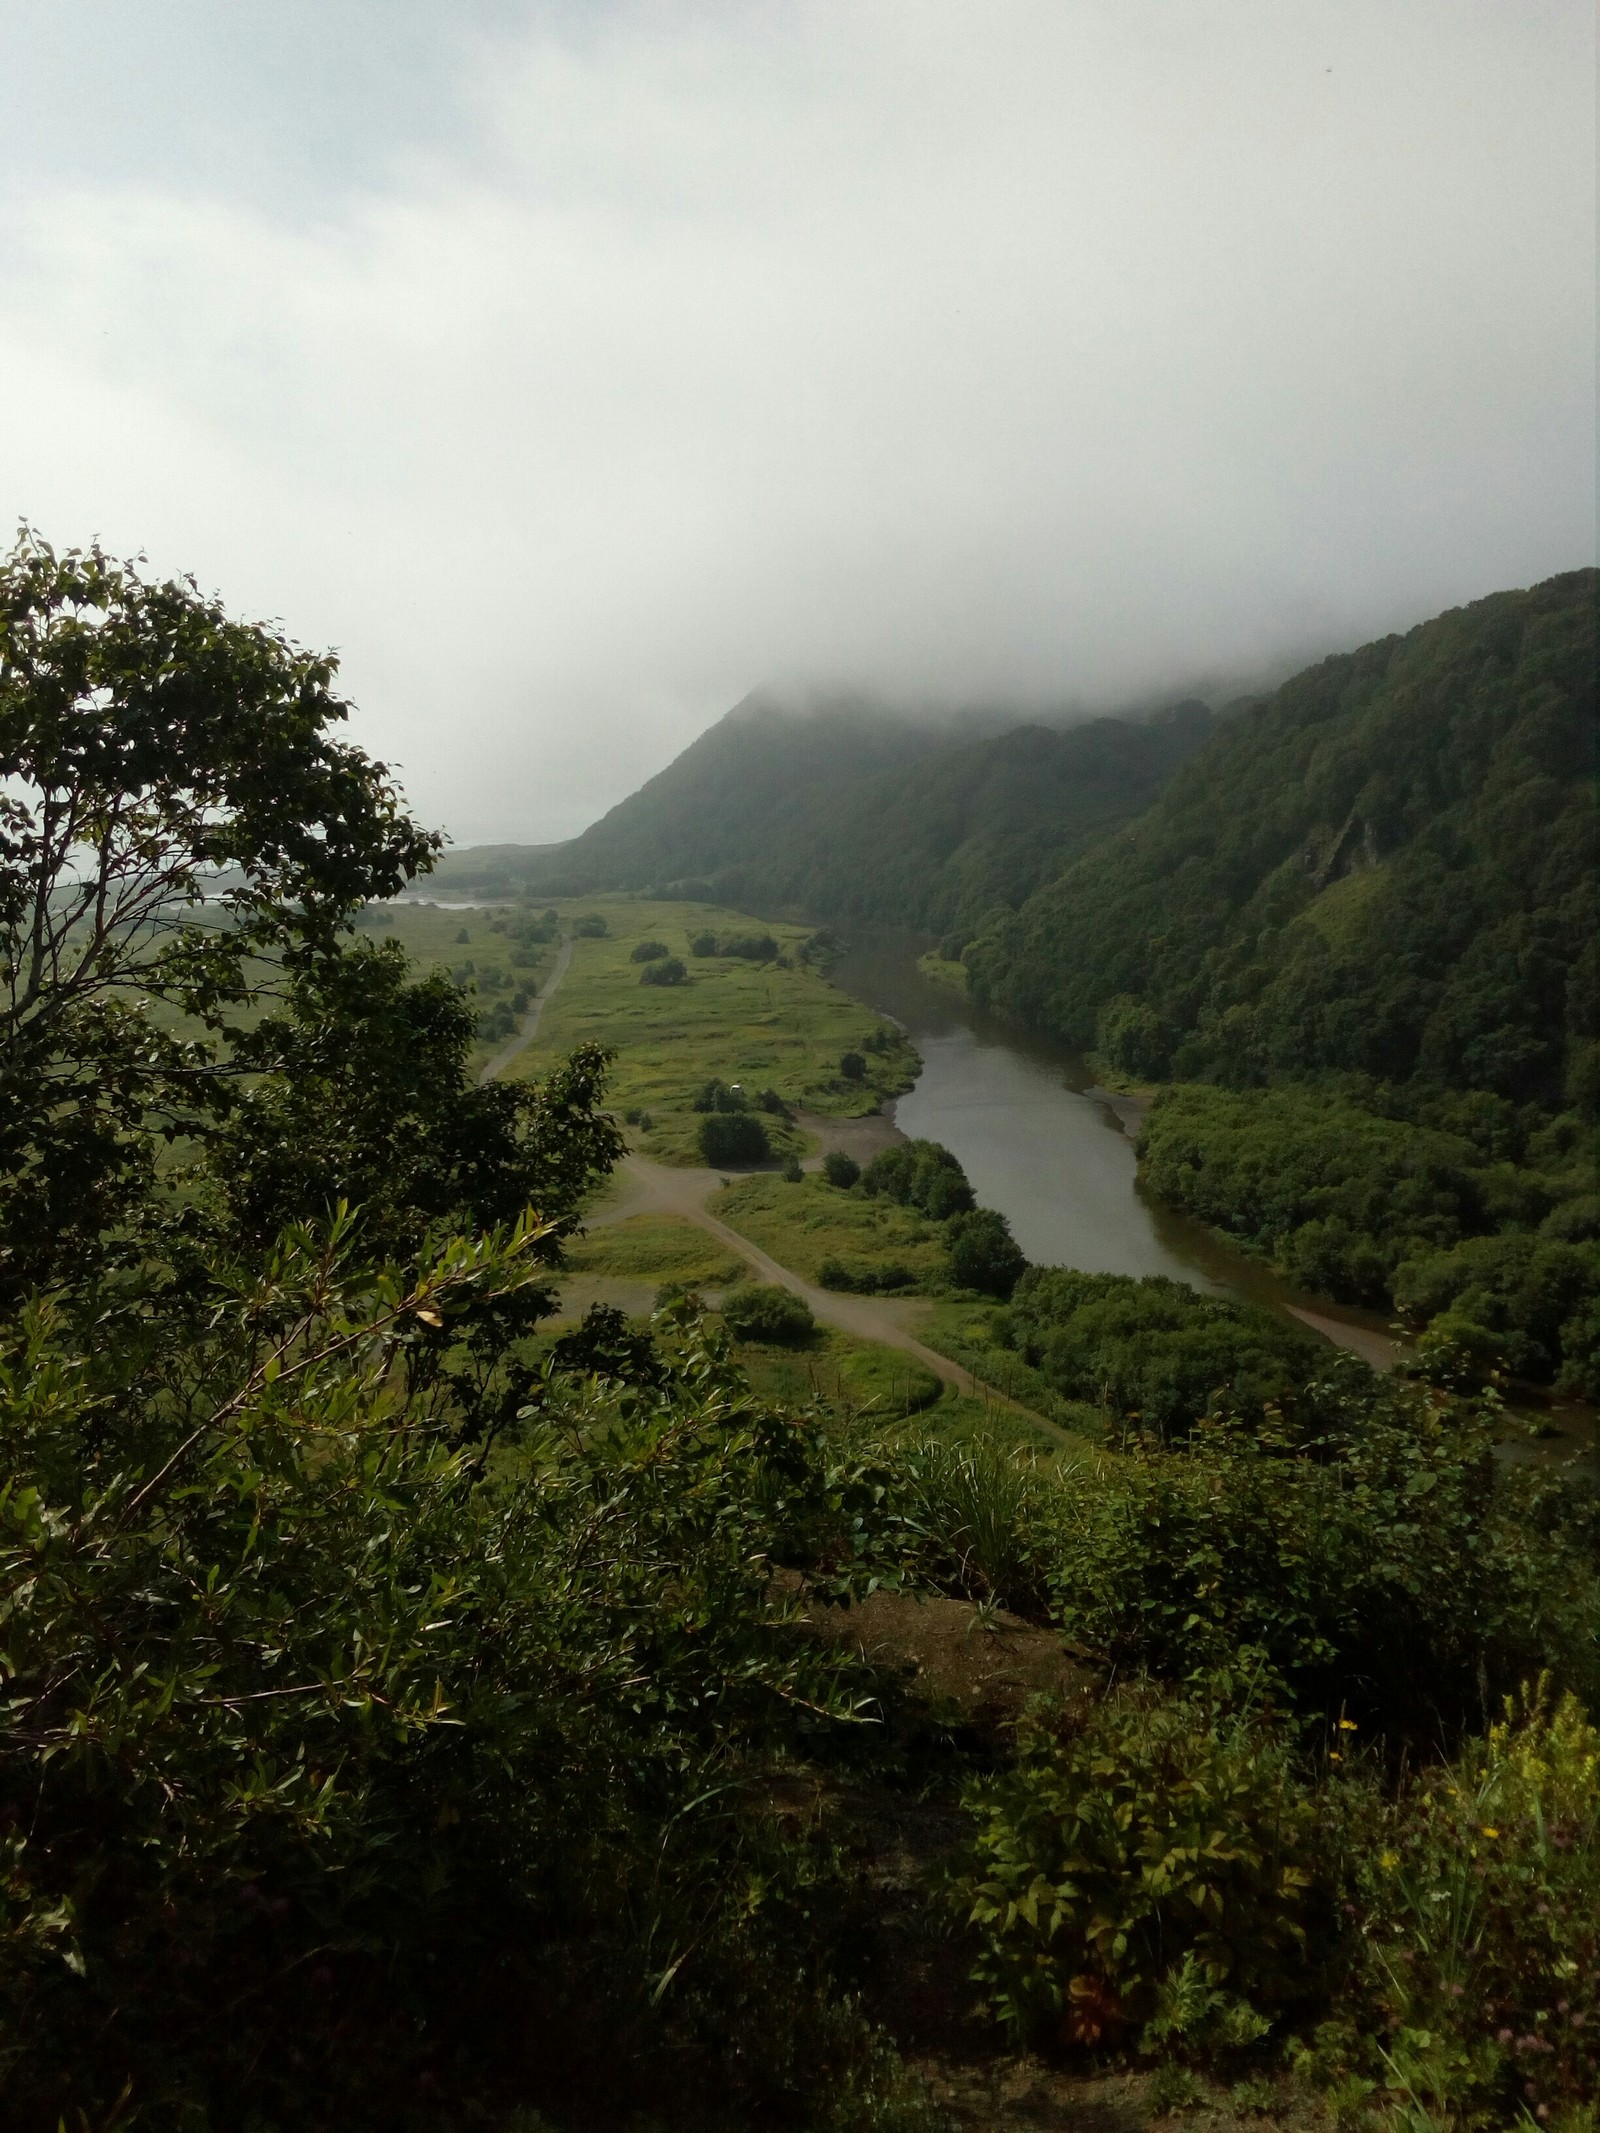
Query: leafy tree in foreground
[174, 808]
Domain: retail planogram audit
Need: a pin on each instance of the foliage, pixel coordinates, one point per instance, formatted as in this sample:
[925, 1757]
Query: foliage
[1387, 867]
[763, 1311]
[733, 1137]
[590, 927]
[1383, 1568]
[1159, 1871]
[981, 1252]
[360, 1089]
[1155, 1351]
[1478, 1928]
[1378, 1210]
[854, 1277]
[980, 1502]
[153, 753]
[649, 952]
[840, 1169]
[671, 972]
[853, 1066]
[920, 1174]
[307, 1716]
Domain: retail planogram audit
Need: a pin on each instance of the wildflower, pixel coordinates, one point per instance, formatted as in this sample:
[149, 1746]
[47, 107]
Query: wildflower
[1348, 1725]
[1489, 1830]
[1389, 1861]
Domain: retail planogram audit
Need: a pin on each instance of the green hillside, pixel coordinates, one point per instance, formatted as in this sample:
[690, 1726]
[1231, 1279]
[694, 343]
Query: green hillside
[1386, 868]
[848, 812]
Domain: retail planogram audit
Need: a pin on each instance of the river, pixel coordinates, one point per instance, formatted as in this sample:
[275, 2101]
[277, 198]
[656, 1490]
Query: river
[1053, 1152]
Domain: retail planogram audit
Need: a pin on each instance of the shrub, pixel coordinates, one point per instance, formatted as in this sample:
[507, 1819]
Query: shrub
[720, 1096]
[840, 1169]
[857, 1278]
[981, 1252]
[853, 1066]
[649, 952]
[772, 1103]
[462, 936]
[733, 1137]
[703, 944]
[915, 1173]
[671, 972]
[1386, 1569]
[750, 947]
[979, 1501]
[792, 1173]
[766, 1312]
[1480, 1930]
[591, 927]
[1160, 1868]
[1156, 1349]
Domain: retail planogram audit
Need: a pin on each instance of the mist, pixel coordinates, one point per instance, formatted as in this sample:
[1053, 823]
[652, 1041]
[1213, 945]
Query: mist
[577, 370]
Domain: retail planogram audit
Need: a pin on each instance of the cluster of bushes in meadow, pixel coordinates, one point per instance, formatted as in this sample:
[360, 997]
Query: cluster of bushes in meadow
[980, 1251]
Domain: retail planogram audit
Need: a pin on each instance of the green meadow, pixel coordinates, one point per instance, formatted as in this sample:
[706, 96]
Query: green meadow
[774, 1025]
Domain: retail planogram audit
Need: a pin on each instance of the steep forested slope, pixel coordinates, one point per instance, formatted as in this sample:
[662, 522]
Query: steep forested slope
[1386, 868]
[848, 812]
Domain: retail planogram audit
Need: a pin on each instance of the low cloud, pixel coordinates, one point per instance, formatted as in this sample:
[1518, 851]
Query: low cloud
[1051, 353]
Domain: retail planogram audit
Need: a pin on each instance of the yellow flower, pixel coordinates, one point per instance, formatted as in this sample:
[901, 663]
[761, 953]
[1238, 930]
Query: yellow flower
[1488, 1832]
[1348, 1725]
[1334, 1756]
[1389, 1861]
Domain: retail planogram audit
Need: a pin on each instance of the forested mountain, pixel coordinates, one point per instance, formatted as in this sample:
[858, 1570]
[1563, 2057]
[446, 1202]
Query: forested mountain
[847, 812]
[1387, 867]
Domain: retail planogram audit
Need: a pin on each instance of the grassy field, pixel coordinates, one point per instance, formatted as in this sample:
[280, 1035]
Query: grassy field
[475, 947]
[803, 1224]
[654, 1247]
[775, 1025]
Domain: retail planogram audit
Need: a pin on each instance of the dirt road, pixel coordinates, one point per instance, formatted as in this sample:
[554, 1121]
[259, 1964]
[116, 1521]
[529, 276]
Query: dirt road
[530, 1021]
[653, 1189]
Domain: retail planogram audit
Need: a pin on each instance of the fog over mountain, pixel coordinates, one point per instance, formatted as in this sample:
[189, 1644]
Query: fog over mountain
[576, 369]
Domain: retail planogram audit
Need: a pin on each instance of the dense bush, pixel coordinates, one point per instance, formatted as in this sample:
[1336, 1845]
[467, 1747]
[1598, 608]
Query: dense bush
[733, 1137]
[591, 927]
[981, 1252]
[1158, 1873]
[853, 1066]
[1155, 1351]
[671, 972]
[766, 1312]
[409, 1767]
[919, 1174]
[1386, 1569]
[720, 1096]
[650, 952]
[840, 1169]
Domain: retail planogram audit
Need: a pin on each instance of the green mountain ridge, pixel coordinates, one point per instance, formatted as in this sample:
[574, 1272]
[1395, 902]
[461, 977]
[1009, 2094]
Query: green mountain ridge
[1387, 868]
[849, 812]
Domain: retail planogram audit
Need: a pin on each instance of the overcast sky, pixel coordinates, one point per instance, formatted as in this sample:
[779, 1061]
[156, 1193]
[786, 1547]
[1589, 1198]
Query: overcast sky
[574, 369]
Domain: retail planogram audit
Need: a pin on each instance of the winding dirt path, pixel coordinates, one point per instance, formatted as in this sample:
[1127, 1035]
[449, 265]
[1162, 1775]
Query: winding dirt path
[653, 1189]
[530, 1021]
